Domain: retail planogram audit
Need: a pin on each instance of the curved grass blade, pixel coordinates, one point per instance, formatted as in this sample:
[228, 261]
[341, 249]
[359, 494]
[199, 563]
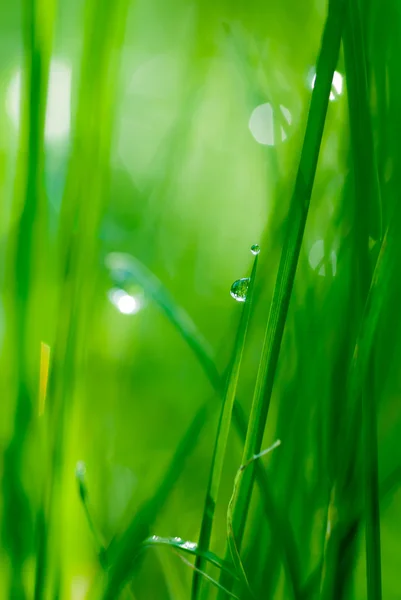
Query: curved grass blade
[80, 474]
[177, 590]
[380, 288]
[117, 261]
[25, 267]
[388, 487]
[210, 579]
[232, 543]
[77, 227]
[123, 550]
[222, 434]
[183, 323]
[289, 257]
[155, 540]
[188, 330]
[190, 548]
[368, 208]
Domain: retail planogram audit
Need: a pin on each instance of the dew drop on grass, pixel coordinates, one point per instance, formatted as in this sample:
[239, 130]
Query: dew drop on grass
[255, 249]
[239, 289]
[189, 545]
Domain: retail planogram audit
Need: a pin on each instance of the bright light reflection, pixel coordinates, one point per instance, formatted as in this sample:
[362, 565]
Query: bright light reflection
[262, 124]
[336, 87]
[58, 111]
[317, 259]
[79, 588]
[126, 304]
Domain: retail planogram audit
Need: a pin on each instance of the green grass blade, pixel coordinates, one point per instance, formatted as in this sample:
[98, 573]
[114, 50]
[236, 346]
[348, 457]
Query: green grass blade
[209, 578]
[289, 257]
[78, 225]
[27, 250]
[384, 272]
[123, 550]
[185, 326]
[174, 313]
[222, 434]
[191, 548]
[80, 475]
[180, 319]
[367, 216]
[281, 531]
[232, 543]
[387, 488]
[177, 590]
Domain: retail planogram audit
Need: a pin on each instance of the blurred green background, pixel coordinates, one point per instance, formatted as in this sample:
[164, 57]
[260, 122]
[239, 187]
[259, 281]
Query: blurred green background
[168, 145]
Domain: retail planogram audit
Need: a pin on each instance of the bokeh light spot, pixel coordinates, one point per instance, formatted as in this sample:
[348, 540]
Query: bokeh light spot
[126, 304]
[319, 262]
[266, 126]
[58, 110]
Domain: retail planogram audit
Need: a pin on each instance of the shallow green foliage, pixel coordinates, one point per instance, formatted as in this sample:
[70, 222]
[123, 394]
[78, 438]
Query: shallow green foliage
[152, 154]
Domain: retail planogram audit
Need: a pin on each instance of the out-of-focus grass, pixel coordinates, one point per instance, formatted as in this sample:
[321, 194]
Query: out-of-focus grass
[143, 148]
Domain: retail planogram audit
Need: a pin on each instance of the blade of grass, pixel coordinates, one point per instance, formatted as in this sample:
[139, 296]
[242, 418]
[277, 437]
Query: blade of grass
[385, 270]
[183, 323]
[232, 543]
[298, 213]
[174, 313]
[387, 488]
[78, 225]
[368, 198]
[27, 251]
[100, 543]
[190, 548]
[177, 590]
[222, 434]
[209, 578]
[342, 540]
[123, 550]
[155, 540]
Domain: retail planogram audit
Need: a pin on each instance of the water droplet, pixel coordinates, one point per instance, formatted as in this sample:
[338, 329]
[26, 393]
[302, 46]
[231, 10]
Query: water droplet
[189, 545]
[239, 289]
[177, 540]
[255, 249]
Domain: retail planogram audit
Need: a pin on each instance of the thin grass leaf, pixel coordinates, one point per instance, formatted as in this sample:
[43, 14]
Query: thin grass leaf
[188, 330]
[297, 216]
[80, 474]
[123, 550]
[387, 488]
[27, 303]
[177, 590]
[209, 578]
[367, 216]
[367, 200]
[278, 522]
[185, 326]
[87, 175]
[190, 548]
[232, 543]
[222, 434]
[281, 531]
[175, 314]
